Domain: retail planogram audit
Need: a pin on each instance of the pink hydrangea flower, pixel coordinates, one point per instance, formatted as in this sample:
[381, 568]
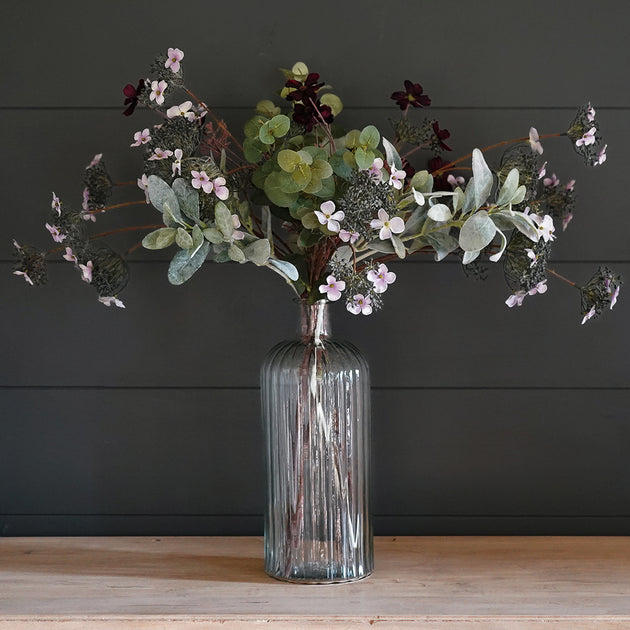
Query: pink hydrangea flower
[381, 278]
[360, 304]
[601, 156]
[455, 181]
[157, 91]
[220, 189]
[177, 163]
[541, 287]
[387, 226]
[141, 137]
[332, 288]
[542, 171]
[181, 110]
[175, 55]
[516, 299]
[237, 235]
[375, 171]
[108, 301]
[86, 199]
[570, 185]
[348, 237]
[587, 138]
[613, 294]
[397, 178]
[58, 237]
[590, 113]
[566, 220]
[531, 254]
[160, 154]
[70, 256]
[329, 216]
[588, 315]
[95, 160]
[200, 179]
[551, 181]
[56, 204]
[86, 271]
[534, 141]
[545, 226]
[25, 276]
[143, 184]
[87, 214]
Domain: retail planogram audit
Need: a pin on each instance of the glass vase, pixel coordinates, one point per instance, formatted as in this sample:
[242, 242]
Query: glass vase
[316, 416]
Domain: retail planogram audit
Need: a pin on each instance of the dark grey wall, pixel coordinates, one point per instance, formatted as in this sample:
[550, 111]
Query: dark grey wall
[146, 421]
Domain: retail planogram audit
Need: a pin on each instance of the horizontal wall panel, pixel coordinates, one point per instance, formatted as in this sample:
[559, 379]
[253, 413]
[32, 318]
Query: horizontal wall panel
[252, 525]
[437, 328]
[66, 140]
[491, 53]
[198, 453]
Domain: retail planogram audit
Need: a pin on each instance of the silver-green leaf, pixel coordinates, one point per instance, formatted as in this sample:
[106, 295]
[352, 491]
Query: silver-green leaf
[236, 253]
[470, 256]
[223, 219]
[391, 155]
[183, 266]
[160, 238]
[258, 252]
[399, 247]
[442, 242]
[509, 188]
[284, 268]
[183, 239]
[163, 197]
[482, 176]
[213, 235]
[188, 199]
[440, 212]
[477, 232]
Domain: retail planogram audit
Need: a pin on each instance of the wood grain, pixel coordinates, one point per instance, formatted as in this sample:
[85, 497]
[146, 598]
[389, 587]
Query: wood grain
[429, 582]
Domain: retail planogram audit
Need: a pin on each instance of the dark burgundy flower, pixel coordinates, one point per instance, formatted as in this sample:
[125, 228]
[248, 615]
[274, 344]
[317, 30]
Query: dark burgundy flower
[439, 181]
[306, 91]
[441, 134]
[311, 114]
[411, 96]
[409, 170]
[131, 96]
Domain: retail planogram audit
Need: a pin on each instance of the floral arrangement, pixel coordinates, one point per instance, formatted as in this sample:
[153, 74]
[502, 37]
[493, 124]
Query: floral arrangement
[325, 208]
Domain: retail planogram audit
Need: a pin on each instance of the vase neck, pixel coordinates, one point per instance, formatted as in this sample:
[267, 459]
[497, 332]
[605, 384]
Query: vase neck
[314, 322]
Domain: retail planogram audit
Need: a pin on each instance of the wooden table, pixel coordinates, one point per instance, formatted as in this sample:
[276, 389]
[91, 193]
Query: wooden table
[472, 583]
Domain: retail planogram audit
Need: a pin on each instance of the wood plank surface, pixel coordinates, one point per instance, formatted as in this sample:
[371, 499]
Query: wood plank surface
[424, 582]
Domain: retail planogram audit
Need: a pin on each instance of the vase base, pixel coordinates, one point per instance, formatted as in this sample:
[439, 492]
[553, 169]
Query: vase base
[324, 577]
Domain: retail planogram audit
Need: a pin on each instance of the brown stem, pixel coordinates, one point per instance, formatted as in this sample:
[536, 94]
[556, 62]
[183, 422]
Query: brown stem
[412, 151]
[125, 183]
[554, 273]
[133, 249]
[118, 205]
[241, 168]
[326, 127]
[448, 166]
[128, 229]
[216, 120]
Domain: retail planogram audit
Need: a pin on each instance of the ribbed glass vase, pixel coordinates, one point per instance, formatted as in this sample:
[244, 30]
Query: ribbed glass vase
[316, 416]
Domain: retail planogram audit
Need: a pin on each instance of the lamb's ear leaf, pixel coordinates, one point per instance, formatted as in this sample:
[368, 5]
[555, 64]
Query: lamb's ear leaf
[183, 266]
